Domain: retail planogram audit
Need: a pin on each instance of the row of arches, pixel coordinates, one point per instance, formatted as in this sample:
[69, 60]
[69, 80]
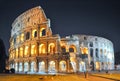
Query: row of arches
[32, 67]
[72, 48]
[28, 35]
[32, 50]
[63, 66]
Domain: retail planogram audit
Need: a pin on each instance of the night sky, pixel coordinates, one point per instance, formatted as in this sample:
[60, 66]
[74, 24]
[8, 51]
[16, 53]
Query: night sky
[91, 17]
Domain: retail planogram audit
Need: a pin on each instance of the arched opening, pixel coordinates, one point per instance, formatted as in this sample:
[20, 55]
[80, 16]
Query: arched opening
[42, 49]
[82, 66]
[21, 52]
[20, 67]
[18, 39]
[63, 49]
[33, 67]
[72, 48]
[51, 68]
[22, 37]
[91, 52]
[33, 49]
[34, 33]
[97, 65]
[42, 32]
[91, 44]
[62, 66]
[96, 53]
[51, 48]
[26, 52]
[41, 66]
[27, 35]
[26, 67]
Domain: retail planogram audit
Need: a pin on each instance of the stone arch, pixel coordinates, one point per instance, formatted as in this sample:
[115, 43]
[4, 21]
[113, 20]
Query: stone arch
[62, 66]
[22, 37]
[51, 48]
[34, 33]
[20, 67]
[41, 66]
[27, 35]
[97, 64]
[84, 50]
[21, 52]
[96, 52]
[42, 49]
[72, 48]
[91, 52]
[33, 49]
[26, 67]
[26, 51]
[91, 44]
[63, 49]
[51, 68]
[42, 32]
[33, 66]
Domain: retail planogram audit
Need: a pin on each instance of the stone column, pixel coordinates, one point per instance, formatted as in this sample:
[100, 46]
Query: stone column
[37, 49]
[46, 65]
[68, 65]
[37, 65]
[77, 64]
[57, 65]
[29, 65]
[23, 66]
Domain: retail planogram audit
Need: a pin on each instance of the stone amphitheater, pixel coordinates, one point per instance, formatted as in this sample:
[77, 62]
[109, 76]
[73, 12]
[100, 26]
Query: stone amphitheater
[34, 49]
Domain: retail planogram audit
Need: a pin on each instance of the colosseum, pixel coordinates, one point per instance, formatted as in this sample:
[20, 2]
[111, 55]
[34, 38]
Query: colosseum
[34, 49]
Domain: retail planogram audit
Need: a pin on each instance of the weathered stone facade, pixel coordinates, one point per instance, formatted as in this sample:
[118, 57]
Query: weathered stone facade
[34, 49]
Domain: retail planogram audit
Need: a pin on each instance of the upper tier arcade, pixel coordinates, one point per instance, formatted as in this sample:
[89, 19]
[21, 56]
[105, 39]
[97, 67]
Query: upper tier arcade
[28, 19]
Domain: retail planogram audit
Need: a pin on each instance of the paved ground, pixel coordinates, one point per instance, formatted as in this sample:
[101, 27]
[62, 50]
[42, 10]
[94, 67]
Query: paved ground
[94, 78]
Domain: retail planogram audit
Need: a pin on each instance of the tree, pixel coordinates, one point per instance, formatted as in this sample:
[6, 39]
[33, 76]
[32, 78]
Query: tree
[2, 56]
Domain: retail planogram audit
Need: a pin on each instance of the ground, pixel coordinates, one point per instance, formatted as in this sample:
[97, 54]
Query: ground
[65, 77]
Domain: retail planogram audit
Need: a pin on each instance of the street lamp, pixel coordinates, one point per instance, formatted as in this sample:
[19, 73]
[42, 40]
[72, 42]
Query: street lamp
[84, 52]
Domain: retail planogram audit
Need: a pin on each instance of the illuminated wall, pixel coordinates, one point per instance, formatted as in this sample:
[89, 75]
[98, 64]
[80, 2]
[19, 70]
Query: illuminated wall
[33, 48]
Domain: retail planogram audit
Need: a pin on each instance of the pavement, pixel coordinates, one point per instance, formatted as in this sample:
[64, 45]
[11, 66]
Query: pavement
[91, 77]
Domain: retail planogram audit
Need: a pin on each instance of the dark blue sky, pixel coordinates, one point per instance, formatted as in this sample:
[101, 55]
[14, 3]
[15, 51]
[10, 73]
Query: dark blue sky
[91, 17]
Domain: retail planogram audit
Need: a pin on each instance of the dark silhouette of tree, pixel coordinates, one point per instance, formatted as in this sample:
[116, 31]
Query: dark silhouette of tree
[2, 56]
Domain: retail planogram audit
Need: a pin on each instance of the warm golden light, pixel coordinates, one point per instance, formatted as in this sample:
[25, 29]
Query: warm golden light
[97, 65]
[17, 53]
[33, 49]
[42, 48]
[84, 50]
[41, 32]
[33, 33]
[73, 47]
[26, 50]
[22, 37]
[51, 48]
[18, 39]
[21, 52]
